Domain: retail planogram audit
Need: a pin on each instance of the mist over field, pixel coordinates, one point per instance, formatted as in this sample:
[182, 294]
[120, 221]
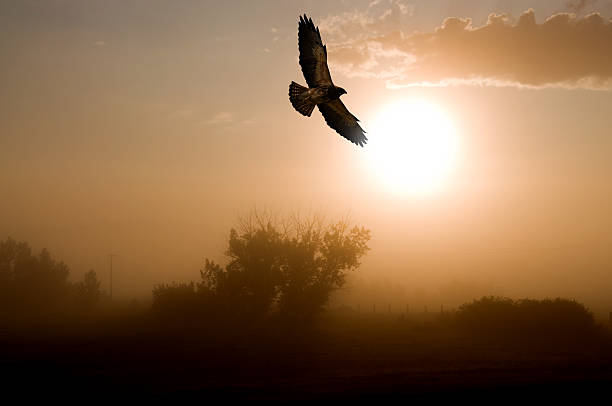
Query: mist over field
[172, 220]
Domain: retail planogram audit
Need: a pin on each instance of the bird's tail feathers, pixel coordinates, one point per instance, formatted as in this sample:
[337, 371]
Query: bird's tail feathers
[297, 96]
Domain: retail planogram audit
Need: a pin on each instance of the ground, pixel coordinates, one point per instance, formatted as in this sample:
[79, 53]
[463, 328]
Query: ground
[336, 357]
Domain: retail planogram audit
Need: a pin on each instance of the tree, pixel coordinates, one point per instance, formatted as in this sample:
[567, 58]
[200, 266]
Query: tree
[38, 284]
[250, 281]
[88, 291]
[31, 282]
[295, 263]
[316, 261]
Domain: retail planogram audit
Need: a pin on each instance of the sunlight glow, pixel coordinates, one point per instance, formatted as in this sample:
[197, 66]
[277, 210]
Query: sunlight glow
[413, 146]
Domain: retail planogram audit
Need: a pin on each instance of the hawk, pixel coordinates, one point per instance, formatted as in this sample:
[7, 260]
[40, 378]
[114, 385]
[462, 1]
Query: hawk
[321, 91]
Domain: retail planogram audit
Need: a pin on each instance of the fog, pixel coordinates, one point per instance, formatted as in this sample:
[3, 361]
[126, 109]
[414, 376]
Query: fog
[257, 254]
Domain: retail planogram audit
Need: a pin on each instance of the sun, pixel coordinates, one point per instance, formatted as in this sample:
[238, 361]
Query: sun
[413, 147]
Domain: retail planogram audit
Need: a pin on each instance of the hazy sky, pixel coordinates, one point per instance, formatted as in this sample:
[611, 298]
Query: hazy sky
[143, 128]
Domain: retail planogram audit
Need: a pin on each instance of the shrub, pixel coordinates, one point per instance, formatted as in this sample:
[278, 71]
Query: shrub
[175, 298]
[526, 318]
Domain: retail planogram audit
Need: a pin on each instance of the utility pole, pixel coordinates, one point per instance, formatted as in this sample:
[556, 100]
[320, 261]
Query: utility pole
[111, 273]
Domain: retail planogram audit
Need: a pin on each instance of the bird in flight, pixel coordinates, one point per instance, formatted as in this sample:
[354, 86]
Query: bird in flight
[321, 91]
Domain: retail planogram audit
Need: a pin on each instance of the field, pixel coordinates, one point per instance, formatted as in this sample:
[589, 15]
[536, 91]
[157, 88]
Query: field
[348, 356]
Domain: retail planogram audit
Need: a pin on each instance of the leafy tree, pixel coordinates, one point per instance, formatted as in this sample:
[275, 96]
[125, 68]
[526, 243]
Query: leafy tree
[88, 291]
[39, 284]
[316, 261]
[29, 281]
[295, 264]
[250, 281]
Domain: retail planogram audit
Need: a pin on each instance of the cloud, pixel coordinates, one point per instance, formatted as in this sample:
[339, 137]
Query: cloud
[223, 117]
[563, 51]
[380, 16]
[577, 6]
[228, 121]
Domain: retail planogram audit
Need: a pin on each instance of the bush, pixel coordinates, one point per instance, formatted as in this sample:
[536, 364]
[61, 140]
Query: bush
[528, 318]
[175, 298]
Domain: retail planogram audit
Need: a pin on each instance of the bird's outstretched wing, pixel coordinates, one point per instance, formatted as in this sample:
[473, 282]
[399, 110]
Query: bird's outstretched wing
[340, 119]
[313, 54]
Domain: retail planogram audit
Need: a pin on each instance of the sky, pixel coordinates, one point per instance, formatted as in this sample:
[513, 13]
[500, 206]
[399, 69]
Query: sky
[145, 128]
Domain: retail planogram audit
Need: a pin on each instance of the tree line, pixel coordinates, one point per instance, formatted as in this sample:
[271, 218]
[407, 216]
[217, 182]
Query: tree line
[36, 283]
[288, 266]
